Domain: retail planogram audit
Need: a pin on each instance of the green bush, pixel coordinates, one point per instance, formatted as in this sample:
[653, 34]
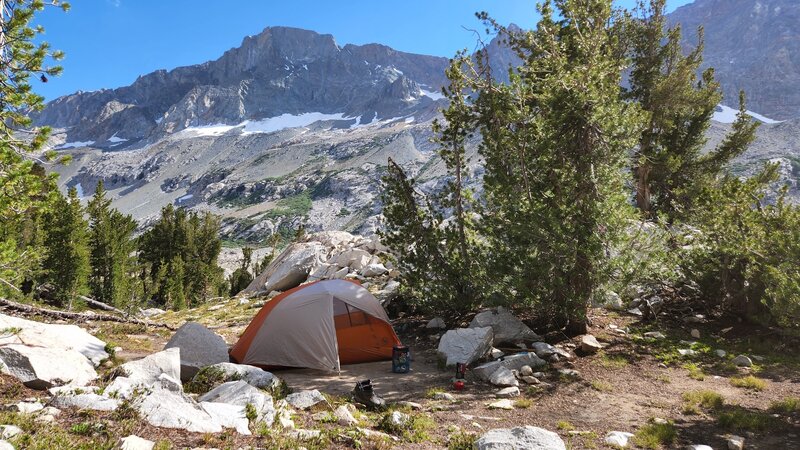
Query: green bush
[745, 255]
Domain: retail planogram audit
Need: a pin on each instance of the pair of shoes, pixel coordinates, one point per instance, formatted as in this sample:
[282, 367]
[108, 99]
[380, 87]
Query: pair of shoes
[365, 394]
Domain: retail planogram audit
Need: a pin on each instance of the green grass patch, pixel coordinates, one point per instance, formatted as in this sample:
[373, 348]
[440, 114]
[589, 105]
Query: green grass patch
[655, 436]
[749, 382]
[694, 401]
[695, 372]
[601, 386]
[294, 206]
[740, 419]
[614, 361]
[786, 406]
[415, 427]
[523, 403]
[461, 441]
[565, 426]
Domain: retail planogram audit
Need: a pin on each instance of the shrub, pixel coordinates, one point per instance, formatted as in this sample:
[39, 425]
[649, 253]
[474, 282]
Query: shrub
[708, 400]
[786, 406]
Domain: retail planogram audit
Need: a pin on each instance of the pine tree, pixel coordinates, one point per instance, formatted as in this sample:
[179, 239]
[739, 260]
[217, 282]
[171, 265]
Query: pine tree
[111, 246]
[242, 277]
[191, 239]
[669, 167]
[67, 249]
[26, 192]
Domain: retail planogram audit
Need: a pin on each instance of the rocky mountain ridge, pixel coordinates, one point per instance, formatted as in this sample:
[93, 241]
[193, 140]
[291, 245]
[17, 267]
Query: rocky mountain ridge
[287, 129]
[753, 45]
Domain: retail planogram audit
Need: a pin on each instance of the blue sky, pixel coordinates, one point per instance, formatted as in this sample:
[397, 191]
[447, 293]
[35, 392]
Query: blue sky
[109, 43]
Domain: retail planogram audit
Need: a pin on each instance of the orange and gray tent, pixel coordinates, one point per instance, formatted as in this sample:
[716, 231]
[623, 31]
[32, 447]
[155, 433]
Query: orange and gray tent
[321, 325]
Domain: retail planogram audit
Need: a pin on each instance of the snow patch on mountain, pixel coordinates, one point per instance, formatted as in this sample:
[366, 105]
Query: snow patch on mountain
[77, 144]
[726, 114]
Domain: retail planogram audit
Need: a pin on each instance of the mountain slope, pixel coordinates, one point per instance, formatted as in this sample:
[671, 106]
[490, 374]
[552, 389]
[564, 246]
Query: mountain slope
[753, 45]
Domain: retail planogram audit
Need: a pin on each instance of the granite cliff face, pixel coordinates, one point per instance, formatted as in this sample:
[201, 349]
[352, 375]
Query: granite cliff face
[753, 45]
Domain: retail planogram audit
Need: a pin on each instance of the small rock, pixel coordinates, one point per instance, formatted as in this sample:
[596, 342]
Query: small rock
[654, 335]
[25, 407]
[686, 352]
[344, 416]
[9, 431]
[618, 438]
[244, 301]
[398, 419]
[698, 447]
[735, 443]
[413, 405]
[513, 362]
[496, 353]
[660, 421]
[543, 349]
[5, 445]
[444, 396]
[503, 377]
[721, 353]
[377, 434]
[436, 322]
[90, 401]
[305, 399]
[530, 380]
[526, 371]
[304, 435]
[134, 442]
[742, 361]
[695, 333]
[508, 392]
[501, 404]
[569, 373]
[589, 344]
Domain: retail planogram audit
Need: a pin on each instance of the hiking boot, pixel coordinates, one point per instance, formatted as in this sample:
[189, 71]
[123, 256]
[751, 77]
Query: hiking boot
[364, 394]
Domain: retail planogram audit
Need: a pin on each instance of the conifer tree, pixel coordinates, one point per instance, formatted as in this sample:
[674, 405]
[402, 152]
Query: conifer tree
[25, 191]
[241, 277]
[66, 243]
[669, 166]
[111, 246]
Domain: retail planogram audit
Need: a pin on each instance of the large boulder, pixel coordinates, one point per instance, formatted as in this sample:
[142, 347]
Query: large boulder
[145, 372]
[290, 268]
[229, 416]
[168, 409]
[199, 347]
[42, 368]
[240, 393]
[254, 376]
[464, 345]
[134, 442]
[355, 258]
[511, 362]
[528, 438]
[505, 326]
[52, 336]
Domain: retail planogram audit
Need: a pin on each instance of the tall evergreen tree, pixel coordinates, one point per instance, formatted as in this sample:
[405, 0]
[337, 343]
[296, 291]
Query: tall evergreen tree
[25, 191]
[182, 249]
[242, 277]
[66, 242]
[111, 246]
[669, 166]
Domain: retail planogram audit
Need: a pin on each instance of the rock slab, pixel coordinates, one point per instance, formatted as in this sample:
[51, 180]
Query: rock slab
[527, 437]
[465, 345]
[42, 368]
[505, 326]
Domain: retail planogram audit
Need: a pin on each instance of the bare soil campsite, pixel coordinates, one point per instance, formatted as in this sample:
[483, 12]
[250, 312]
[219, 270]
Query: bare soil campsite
[643, 381]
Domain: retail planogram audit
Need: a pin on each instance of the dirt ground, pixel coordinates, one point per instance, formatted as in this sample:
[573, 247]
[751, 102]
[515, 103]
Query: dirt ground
[622, 388]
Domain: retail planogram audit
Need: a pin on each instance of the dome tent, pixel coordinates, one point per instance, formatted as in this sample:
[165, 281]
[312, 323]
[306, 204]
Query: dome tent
[321, 325]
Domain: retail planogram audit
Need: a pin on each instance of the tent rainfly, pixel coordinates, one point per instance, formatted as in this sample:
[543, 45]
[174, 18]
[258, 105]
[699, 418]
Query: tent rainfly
[320, 325]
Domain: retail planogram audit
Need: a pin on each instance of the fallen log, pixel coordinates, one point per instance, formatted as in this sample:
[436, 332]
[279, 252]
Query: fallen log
[96, 304]
[68, 315]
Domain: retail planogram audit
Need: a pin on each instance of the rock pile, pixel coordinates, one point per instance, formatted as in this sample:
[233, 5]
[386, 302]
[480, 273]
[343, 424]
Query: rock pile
[326, 255]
